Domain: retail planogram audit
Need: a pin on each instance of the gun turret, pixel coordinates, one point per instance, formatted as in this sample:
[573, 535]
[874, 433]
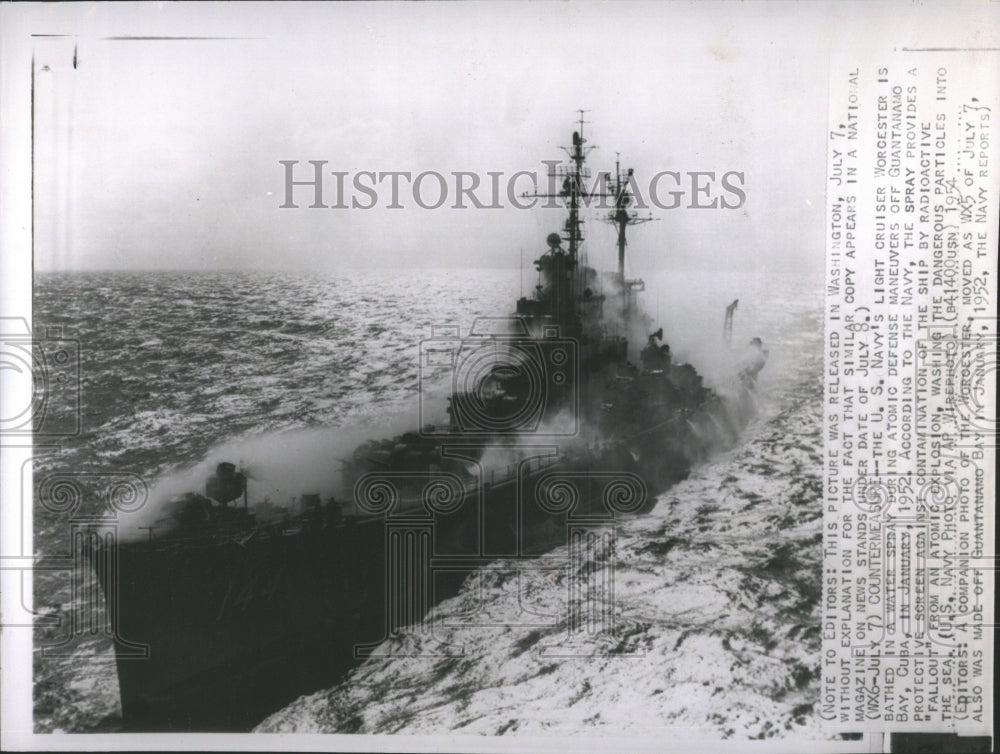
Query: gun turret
[226, 484]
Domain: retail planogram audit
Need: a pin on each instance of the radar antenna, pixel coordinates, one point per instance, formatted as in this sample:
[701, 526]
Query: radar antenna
[569, 185]
[622, 216]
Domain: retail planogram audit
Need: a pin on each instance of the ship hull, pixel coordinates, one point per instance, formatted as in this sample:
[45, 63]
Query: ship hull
[237, 629]
[238, 626]
[232, 631]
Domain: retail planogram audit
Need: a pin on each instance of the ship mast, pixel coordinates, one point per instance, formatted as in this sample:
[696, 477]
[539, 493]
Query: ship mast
[621, 217]
[571, 182]
[568, 185]
[573, 185]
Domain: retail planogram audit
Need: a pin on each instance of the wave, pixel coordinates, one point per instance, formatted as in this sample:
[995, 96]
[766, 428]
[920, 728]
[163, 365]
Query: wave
[716, 599]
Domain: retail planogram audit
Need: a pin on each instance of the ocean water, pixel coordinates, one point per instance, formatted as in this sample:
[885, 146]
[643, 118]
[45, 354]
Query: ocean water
[717, 589]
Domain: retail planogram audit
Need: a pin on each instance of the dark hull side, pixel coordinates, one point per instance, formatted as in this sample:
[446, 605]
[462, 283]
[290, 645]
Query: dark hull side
[234, 630]
[238, 626]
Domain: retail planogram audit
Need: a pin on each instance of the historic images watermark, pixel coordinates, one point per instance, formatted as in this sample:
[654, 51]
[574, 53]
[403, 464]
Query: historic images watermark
[515, 441]
[543, 371]
[92, 505]
[47, 364]
[43, 365]
[322, 188]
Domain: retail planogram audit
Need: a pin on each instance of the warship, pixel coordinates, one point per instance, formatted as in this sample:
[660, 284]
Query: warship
[226, 610]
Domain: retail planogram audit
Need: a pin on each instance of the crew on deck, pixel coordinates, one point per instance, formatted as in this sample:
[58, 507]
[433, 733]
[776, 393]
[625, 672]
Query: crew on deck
[753, 360]
[655, 357]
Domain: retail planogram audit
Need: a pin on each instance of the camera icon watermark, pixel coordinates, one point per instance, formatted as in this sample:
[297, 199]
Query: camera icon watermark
[45, 374]
[501, 380]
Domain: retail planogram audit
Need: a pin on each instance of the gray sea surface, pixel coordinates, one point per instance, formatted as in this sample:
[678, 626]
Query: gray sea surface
[719, 584]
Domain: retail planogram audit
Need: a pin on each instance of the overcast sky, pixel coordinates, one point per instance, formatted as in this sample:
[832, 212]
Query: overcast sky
[165, 153]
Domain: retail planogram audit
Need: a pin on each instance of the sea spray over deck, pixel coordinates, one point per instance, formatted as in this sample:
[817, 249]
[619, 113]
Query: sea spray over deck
[716, 608]
[279, 466]
[282, 466]
[176, 364]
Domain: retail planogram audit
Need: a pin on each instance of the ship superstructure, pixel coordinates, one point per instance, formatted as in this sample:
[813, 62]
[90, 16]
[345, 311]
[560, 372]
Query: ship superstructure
[224, 612]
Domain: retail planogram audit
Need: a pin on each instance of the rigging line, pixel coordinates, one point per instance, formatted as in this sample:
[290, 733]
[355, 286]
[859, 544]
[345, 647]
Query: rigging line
[673, 419]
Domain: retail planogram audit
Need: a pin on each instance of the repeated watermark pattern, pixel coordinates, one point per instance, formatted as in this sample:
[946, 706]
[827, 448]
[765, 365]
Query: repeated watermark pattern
[318, 187]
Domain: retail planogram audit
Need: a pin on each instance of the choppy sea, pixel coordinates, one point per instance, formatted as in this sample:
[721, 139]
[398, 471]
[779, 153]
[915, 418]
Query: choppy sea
[717, 592]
